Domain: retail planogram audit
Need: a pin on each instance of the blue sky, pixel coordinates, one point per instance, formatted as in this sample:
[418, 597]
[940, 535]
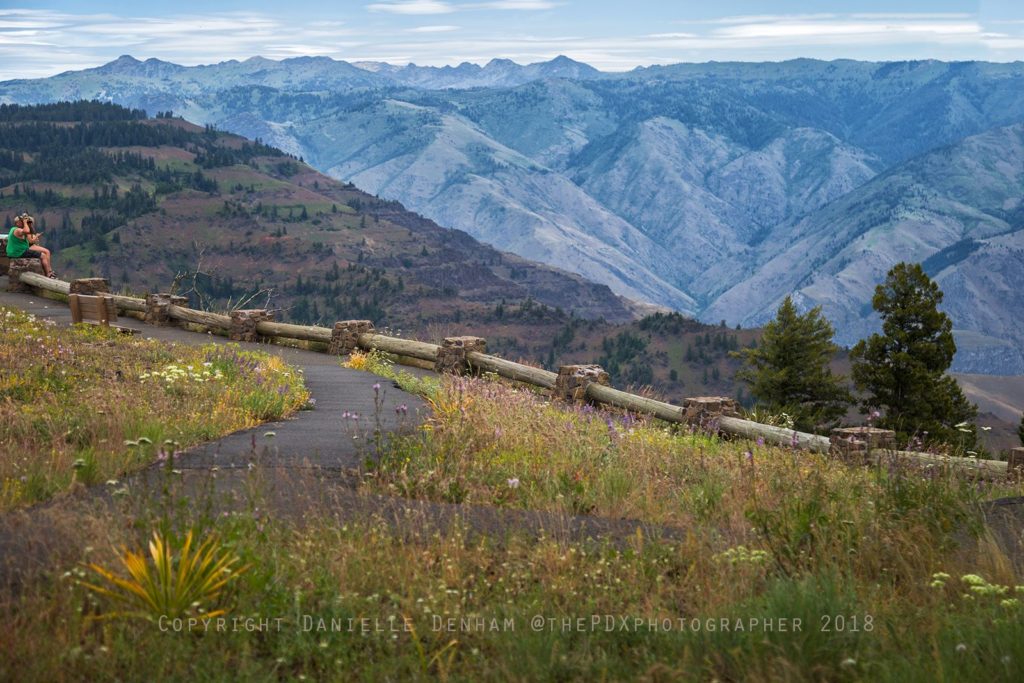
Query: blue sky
[44, 38]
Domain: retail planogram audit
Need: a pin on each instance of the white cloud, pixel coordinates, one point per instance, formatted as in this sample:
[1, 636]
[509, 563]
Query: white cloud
[822, 29]
[412, 7]
[432, 29]
[42, 42]
[514, 5]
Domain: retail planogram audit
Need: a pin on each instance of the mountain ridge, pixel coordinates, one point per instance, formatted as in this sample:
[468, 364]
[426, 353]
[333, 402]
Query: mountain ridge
[672, 184]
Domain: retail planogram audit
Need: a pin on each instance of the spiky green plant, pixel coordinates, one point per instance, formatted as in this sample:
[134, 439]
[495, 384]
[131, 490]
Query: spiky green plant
[169, 583]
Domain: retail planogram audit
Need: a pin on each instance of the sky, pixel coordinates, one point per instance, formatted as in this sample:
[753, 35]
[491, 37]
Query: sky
[40, 39]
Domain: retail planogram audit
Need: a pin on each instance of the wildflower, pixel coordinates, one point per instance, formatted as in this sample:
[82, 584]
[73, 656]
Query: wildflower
[760, 441]
[376, 387]
[513, 483]
[848, 662]
[961, 647]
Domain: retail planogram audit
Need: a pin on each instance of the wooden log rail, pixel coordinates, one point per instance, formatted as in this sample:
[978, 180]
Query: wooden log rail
[399, 347]
[202, 318]
[590, 387]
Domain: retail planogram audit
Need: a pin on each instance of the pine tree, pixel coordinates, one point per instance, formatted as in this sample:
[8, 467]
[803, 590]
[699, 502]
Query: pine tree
[789, 371]
[903, 369]
[1020, 430]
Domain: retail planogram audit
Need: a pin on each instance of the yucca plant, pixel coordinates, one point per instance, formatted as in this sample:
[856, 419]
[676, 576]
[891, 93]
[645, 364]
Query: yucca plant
[168, 583]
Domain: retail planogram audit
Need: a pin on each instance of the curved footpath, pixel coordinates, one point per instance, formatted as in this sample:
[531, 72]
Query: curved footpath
[308, 468]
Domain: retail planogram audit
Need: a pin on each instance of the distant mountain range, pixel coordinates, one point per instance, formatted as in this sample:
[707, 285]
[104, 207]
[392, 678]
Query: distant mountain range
[713, 189]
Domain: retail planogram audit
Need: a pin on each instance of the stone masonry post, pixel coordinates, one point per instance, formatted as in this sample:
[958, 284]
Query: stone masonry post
[19, 266]
[573, 380]
[854, 444]
[243, 324]
[345, 336]
[451, 356]
[90, 286]
[157, 305]
[702, 411]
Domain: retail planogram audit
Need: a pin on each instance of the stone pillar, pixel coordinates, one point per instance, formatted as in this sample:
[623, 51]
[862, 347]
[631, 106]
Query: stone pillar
[90, 286]
[572, 381]
[451, 356]
[19, 266]
[701, 411]
[243, 324]
[854, 444]
[1015, 464]
[157, 305]
[345, 336]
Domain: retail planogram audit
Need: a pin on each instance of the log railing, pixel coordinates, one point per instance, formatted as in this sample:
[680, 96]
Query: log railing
[588, 383]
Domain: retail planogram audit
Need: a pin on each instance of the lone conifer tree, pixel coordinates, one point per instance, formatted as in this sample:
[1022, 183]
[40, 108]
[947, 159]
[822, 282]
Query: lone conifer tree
[903, 369]
[789, 371]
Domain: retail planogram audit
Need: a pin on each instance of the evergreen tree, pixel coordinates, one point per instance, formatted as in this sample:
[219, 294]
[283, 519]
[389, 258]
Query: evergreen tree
[789, 371]
[1020, 430]
[903, 369]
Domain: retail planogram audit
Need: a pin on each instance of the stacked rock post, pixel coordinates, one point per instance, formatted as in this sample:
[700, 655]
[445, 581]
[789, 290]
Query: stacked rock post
[16, 268]
[157, 306]
[90, 286]
[1015, 464]
[854, 444]
[345, 336]
[704, 412]
[573, 380]
[451, 356]
[243, 324]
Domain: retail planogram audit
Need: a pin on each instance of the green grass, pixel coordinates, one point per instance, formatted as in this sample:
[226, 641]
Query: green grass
[755, 564]
[357, 601]
[87, 405]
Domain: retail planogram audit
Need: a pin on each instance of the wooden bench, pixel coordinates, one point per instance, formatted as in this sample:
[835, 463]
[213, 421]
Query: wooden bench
[95, 310]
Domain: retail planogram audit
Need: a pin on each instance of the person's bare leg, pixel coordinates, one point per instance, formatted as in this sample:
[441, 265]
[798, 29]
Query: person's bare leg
[44, 256]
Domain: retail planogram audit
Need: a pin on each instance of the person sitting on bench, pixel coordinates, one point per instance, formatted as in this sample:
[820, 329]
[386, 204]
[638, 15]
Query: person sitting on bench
[22, 242]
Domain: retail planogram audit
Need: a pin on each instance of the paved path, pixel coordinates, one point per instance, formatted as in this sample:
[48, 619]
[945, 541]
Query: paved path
[310, 467]
[311, 437]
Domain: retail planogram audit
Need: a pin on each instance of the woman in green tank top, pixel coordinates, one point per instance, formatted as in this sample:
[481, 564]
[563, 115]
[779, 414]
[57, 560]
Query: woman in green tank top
[22, 243]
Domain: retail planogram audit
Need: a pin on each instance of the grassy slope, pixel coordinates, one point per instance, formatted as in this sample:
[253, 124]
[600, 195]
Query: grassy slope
[853, 554]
